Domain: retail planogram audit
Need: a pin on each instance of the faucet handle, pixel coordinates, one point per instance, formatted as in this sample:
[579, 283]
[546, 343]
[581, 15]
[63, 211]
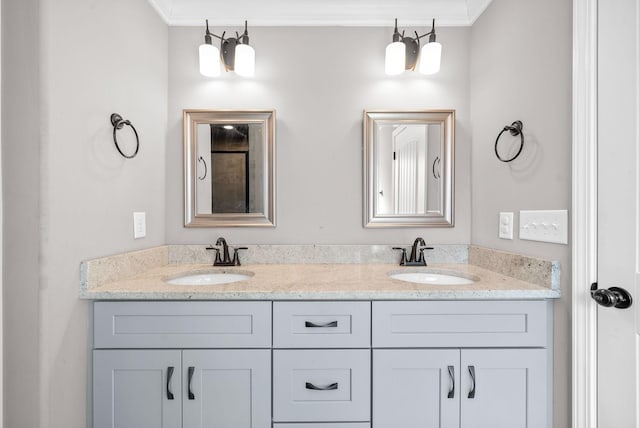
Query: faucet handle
[217, 250]
[236, 259]
[403, 259]
[421, 254]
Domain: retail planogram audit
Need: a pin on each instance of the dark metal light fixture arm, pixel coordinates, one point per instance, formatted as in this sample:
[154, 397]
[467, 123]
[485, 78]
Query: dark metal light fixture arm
[431, 33]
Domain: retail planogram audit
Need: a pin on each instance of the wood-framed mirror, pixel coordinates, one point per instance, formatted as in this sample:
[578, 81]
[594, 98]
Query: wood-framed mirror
[229, 168]
[408, 168]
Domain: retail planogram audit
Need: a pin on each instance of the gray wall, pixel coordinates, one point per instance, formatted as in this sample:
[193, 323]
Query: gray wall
[21, 100]
[69, 195]
[319, 80]
[521, 69]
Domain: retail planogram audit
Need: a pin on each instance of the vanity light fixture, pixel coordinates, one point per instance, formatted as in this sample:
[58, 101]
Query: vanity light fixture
[235, 54]
[403, 53]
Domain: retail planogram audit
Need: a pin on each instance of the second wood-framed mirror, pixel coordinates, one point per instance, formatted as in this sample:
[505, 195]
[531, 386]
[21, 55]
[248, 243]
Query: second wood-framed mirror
[408, 168]
[229, 168]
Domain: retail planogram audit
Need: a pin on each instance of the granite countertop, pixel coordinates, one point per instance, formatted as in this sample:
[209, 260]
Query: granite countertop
[315, 282]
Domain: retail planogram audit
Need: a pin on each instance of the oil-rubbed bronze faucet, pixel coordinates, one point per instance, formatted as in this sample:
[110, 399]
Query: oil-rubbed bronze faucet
[225, 258]
[416, 258]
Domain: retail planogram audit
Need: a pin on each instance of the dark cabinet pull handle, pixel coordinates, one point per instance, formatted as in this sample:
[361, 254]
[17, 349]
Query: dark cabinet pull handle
[310, 324]
[309, 385]
[170, 370]
[452, 379]
[190, 391]
[472, 373]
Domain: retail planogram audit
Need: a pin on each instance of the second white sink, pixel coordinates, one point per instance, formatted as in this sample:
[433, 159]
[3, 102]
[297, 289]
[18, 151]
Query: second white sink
[210, 278]
[435, 278]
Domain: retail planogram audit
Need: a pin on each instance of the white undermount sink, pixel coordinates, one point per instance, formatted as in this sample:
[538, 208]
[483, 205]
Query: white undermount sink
[432, 278]
[210, 278]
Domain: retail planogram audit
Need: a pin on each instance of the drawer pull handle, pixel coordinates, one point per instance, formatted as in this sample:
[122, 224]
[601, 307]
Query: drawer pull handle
[310, 324]
[333, 386]
[452, 380]
[190, 391]
[170, 370]
[472, 373]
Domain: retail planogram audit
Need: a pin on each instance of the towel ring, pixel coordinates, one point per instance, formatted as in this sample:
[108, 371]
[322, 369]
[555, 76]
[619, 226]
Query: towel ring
[515, 129]
[201, 159]
[118, 123]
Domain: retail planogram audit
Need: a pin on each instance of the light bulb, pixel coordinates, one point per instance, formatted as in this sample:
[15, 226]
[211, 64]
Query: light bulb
[209, 60]
[245, 60]
[430, 58]
[394, 58]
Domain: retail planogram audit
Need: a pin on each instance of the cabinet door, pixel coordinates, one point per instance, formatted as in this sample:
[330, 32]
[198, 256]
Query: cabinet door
[416, 388]
[227, 388]
[137, 388]
[504, 388]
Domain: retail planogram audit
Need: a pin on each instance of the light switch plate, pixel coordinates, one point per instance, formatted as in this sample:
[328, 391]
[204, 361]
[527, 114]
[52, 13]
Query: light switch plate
[139, 225]
[505, 227]
[545, 225]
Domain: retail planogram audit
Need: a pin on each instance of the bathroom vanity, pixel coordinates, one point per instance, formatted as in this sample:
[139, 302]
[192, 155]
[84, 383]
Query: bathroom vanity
[340, 363]
[335, 346]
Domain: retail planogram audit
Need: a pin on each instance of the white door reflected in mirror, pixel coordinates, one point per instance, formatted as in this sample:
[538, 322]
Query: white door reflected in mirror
[408, 169]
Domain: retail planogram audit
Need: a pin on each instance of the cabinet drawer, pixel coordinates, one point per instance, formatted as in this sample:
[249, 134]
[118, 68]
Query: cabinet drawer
[327, 425]
[182, 324]
[321, 385]
[321, 324]
[460, 324]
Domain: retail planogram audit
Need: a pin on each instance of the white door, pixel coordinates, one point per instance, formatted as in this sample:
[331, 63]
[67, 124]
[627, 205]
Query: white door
[410, 169]
[618, 169]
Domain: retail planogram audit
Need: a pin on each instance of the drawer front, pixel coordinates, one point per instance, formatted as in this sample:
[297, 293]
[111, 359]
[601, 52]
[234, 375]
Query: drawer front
[182, 324]
[321, 324]
[460, 324]
[321, 385]
[327, 425]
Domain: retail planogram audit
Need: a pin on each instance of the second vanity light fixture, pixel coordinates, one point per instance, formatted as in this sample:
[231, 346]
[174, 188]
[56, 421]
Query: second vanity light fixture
[236, 54]
[403, 53]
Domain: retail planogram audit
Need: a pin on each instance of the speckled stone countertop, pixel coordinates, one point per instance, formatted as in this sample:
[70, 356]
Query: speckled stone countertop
[312, 281]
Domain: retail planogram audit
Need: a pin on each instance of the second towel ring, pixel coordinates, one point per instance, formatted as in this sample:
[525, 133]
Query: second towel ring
[515, 129]
[118, 123]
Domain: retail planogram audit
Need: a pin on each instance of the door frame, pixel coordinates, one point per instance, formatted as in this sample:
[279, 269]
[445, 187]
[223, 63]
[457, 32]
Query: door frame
[585, 213]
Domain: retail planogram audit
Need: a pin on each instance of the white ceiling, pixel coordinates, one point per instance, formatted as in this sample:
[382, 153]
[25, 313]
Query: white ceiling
[320, 12]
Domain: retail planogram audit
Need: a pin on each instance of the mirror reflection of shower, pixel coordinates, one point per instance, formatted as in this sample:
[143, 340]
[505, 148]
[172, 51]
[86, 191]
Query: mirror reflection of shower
[235, 162]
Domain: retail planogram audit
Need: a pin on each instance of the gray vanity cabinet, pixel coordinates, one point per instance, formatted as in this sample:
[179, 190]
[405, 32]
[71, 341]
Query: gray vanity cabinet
[428, 369]
[331, 364]
[196, 381]
[435, 388]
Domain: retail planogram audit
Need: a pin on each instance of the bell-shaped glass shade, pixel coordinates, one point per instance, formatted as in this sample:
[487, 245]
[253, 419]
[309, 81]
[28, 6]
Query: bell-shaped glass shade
[394, 58]
[209, 60]
[430, 58]
[245, 61]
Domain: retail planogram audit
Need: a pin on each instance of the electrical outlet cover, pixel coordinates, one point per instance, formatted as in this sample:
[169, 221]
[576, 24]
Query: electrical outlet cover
[139, 225]
[505, 227]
